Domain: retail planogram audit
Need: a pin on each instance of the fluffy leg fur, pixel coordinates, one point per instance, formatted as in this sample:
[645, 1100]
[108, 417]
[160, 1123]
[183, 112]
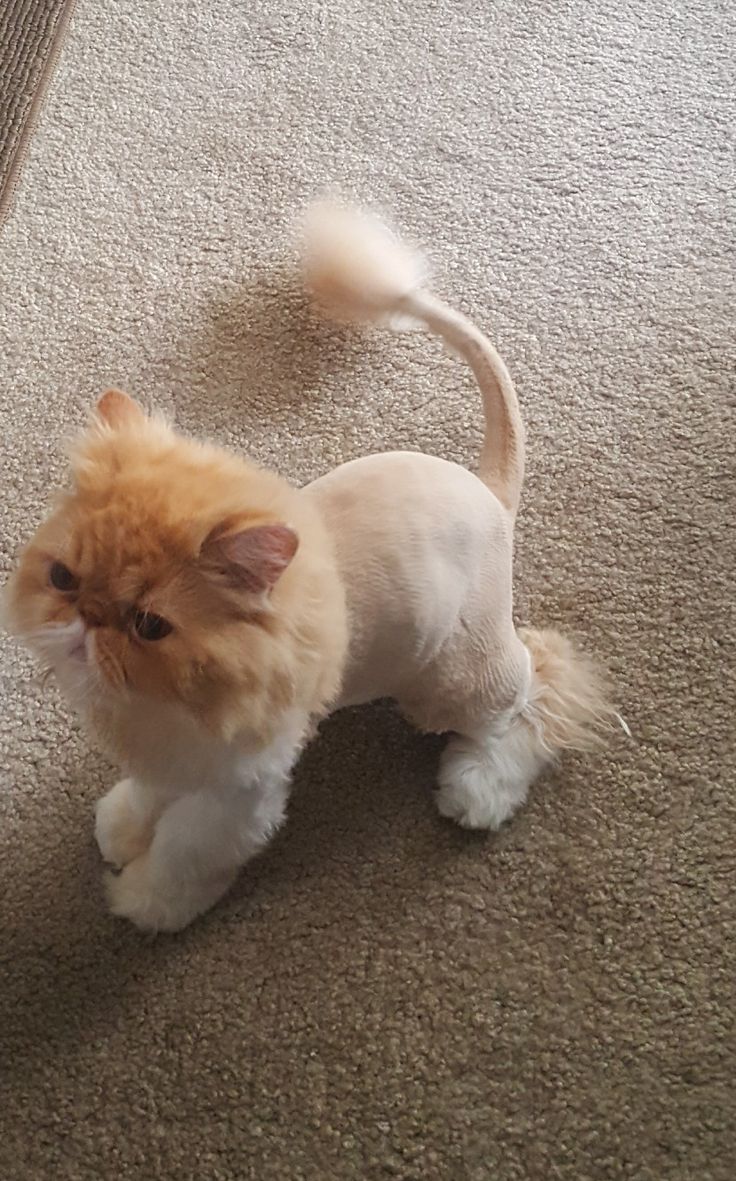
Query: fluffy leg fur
[569, 706]
[486, 776]
[200, 843]
[124, 822]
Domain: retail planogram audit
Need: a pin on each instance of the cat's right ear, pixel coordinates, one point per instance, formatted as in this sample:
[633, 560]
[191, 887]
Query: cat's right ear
[117, 410]
[252, 559]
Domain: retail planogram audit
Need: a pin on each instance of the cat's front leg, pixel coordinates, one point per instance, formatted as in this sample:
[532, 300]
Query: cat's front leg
[124, 822]
[200, 843]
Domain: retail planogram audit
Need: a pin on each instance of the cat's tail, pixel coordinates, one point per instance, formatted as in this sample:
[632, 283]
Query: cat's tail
[360, 271]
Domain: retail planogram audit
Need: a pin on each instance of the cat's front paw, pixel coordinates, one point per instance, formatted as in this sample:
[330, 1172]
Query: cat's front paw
[120, 831]
[158, 902]
[131, 895]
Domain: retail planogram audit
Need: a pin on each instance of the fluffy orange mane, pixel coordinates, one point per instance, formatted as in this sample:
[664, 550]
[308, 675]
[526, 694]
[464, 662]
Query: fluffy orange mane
[228, 558]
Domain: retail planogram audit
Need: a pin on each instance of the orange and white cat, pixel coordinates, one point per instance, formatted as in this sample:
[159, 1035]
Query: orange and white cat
[205, 615]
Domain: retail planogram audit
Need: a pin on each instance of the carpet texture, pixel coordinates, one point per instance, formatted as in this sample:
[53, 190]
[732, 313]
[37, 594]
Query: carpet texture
[31, 34]
[383, 995]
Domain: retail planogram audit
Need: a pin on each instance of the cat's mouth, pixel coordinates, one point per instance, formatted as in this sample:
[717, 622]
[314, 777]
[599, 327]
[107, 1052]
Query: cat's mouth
[63, 644]
[78, 652]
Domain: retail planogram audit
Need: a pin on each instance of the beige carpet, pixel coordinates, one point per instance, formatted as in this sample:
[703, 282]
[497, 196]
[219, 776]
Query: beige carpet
[382, 995]
[31, 36]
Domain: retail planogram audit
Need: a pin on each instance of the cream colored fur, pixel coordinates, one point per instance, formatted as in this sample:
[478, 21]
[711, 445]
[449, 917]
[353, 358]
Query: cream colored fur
[425, 552]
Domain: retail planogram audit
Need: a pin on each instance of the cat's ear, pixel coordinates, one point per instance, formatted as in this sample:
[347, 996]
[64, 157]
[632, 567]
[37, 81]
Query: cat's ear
[253, 559]
[118, 410]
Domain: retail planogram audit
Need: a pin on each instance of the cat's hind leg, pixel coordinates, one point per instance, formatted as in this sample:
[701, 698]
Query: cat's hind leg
[484, 778]
[485, 775]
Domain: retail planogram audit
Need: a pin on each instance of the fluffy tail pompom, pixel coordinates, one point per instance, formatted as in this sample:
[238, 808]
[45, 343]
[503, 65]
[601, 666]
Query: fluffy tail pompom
[358, 270]
[355, 267]
[569, 706]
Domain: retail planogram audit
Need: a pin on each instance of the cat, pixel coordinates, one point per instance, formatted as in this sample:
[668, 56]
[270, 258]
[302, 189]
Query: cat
[204, 615]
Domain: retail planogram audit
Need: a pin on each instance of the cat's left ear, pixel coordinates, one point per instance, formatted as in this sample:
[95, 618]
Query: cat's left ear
[254, 559]
[117, 410]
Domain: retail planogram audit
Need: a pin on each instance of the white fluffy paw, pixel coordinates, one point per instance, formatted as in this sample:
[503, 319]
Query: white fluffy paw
[121, 834]
[137, 894]
[131, 895]
[478, 789]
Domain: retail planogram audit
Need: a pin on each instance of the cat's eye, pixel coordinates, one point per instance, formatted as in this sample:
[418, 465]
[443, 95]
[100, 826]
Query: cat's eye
[61, 577]
[150, 627]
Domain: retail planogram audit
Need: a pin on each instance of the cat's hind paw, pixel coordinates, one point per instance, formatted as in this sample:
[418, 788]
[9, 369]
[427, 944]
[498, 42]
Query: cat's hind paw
[481, 784]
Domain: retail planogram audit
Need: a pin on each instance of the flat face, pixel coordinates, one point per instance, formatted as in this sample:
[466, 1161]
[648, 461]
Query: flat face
[129, 580]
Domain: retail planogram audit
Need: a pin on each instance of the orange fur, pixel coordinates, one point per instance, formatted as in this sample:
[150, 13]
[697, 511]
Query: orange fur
[140, 531]
[569, 704]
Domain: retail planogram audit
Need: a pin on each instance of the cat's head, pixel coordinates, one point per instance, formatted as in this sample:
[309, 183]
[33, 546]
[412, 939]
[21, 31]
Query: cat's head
[166, 570]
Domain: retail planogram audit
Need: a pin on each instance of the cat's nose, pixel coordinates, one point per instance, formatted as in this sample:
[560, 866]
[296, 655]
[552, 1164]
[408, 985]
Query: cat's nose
[91, 614]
